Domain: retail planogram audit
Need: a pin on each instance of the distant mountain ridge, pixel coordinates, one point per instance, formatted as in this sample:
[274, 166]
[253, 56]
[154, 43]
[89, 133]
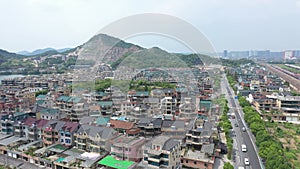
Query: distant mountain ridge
[40, 51]
[103, 48]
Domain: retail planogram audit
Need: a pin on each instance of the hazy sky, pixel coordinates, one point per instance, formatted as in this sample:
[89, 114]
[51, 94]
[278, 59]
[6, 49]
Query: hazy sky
[228, 24]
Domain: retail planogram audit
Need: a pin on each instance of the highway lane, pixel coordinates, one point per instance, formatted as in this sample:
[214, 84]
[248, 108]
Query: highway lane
[241, 137]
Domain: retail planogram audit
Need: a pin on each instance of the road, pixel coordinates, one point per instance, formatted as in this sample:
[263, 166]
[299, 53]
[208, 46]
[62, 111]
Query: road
[238, 135]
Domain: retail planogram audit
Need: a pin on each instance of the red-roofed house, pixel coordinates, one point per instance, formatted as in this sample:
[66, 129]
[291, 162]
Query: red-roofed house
[121, 126]
[33, 128]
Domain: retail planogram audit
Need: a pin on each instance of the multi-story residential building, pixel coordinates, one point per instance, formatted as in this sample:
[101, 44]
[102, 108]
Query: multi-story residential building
[150, 127]
[290, 106]
[162, 152]
[67, 133]
[264, 104]
[74, 107]
[94, 138]
[127, 148]
[205, 158]
[173, 128]
[153, 104]
[168, 105]
[200, 134]
[105, 107]
[51, 132]
[33, 128]
[187, 110]
[19, 129]
[7, 125]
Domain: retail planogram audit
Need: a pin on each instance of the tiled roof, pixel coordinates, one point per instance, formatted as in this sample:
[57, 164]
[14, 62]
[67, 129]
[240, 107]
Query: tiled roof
[70, 126]
[104, 132]
[54, 125]
[121, 124]
[39, 123]
[50, 111]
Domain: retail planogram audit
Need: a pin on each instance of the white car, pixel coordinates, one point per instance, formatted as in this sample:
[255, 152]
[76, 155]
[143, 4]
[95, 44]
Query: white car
[244, 148]
[247, 161]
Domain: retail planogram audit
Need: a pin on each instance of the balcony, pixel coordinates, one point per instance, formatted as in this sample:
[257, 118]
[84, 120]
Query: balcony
[47, 135]
[157, 160]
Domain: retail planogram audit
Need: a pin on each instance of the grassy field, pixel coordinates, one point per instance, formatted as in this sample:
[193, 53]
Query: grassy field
[289, 135]
[294, 70]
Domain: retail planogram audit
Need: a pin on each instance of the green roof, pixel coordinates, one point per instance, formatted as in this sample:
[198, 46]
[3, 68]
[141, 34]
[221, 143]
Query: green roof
[74, 99]
[113, 163]
[205, 104]
[60, 159]
[19, 113]
[105, 103]
[142, 93]
[41, 96]
[102, 121]
[39, 102]
[181, 89]
[50, 111]
[101, 94]
[63, 98]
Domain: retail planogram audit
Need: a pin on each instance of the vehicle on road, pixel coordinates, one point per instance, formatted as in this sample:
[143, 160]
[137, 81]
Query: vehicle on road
[247, 161]
[243, 129]
[236, 125]
[244, 148]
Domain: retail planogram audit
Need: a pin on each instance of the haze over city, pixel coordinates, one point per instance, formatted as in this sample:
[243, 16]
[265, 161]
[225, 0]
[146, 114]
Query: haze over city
[231, 24]
[174, 84]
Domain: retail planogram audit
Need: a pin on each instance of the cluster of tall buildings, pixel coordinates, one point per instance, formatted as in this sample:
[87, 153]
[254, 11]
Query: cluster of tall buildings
[262, 54]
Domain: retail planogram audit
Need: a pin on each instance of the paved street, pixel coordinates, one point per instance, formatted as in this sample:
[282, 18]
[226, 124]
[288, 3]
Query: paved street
[238, 135]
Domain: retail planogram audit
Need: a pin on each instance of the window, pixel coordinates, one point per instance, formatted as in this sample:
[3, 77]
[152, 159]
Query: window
[195, 162]
[62, 133]
[205, 164]
[62, 140]
[187, 161]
